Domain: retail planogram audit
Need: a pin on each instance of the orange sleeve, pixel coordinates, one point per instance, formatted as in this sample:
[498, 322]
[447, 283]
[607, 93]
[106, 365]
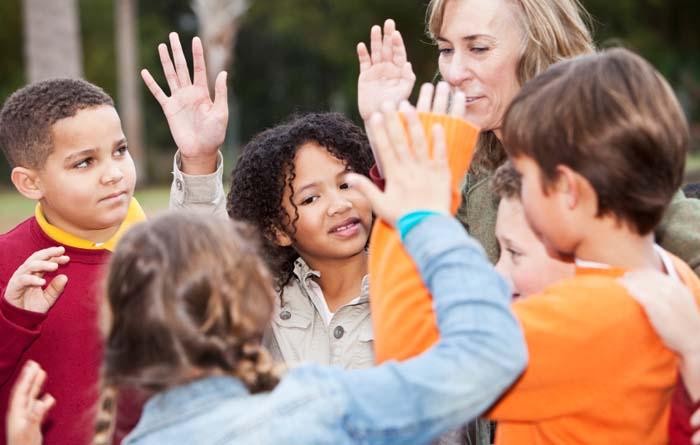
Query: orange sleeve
[578, 338]
[402, 311]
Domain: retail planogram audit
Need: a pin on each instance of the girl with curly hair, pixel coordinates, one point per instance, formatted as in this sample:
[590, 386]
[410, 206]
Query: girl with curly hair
[290, 183]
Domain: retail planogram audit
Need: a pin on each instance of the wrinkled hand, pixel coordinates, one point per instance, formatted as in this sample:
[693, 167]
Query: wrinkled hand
[197, 123]
[670, 307]
[414, 181]
[25, 288]
[385, 74]
[27, 411]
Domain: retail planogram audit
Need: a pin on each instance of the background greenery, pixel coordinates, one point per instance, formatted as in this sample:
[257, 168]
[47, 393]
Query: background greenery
[299, 55]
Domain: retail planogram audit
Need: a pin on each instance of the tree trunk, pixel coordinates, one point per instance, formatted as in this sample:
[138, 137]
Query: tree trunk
[129, 82]
[52, 39]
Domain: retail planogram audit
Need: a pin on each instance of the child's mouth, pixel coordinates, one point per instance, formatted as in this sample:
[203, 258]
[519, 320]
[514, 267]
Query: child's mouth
[347, 228]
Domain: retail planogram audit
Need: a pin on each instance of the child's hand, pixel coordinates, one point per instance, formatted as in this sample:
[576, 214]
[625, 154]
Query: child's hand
[440, 102]
[385, 75]
[27, 410]
[414, 181]
[197, 124]
[670, 307]
[25, 288]
[695, 423]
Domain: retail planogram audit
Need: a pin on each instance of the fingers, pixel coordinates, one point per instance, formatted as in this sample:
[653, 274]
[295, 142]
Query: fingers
[387, 41]
[425, 98]
[168, 68]
[367, 188]
[183, 73]
[696, 437]
[381, 144]
[375, 44]
[398, 49]
[415, 129]
[42, 406]
[457, 108]
[153, 87]
[23, 386]
[221, 95]
[37, 382]
[46, 254]
[442, 97]
[396, 132]
[695, 419]
[55, 288]
[363, 57]
[198, 64]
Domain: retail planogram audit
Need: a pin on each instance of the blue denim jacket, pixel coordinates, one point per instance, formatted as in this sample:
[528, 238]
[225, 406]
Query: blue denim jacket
[480, 353]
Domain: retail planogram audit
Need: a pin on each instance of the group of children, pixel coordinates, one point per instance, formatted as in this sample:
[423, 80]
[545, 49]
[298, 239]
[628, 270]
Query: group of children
[195, 313]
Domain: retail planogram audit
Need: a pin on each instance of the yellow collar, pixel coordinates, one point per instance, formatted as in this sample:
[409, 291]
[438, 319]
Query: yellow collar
[133, 216]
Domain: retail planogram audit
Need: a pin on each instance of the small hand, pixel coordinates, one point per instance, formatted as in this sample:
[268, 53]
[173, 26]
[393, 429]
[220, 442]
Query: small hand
[442, 101]
[414, 181]
[197, 123]
[27, 411]
[695, 423]
[385, 75]
[670, 307]
[25, 288]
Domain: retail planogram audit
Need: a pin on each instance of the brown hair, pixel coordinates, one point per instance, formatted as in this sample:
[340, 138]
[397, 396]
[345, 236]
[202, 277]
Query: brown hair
[554, 30]
[187, 296]
[612, 118]
[29, 113]
[507, 182]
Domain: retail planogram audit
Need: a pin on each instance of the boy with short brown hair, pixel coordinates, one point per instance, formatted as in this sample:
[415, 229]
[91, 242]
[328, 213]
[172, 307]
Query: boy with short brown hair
[64, 141]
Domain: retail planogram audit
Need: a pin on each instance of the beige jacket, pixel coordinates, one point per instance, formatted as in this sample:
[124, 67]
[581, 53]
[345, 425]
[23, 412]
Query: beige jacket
[299, 333]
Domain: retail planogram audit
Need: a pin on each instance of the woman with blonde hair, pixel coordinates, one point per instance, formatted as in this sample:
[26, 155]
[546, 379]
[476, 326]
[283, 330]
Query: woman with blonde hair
[488, 49]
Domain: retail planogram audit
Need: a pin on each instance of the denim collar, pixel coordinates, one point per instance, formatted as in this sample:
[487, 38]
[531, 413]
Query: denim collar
[173, 403]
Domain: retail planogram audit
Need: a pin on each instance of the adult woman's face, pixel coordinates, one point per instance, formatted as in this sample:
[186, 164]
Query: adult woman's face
[480, 43]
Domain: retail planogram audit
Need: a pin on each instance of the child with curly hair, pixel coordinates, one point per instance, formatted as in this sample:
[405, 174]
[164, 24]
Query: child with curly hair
[290, 183]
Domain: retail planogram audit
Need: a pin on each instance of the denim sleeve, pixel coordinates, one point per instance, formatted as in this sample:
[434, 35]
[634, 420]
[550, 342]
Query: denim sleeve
[204, 193]
[480, 353]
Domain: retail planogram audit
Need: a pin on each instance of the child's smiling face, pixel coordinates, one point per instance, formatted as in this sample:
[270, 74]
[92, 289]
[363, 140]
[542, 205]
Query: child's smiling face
[332, 220]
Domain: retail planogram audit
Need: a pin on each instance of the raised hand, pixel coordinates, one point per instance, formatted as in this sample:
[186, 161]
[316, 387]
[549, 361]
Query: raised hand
[385, 74]
[197, 123]
[414, 181]
[27, 410]
[26, 290]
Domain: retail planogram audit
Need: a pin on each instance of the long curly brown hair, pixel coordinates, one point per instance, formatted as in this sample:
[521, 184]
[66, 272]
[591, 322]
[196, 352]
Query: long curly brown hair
[266, 168]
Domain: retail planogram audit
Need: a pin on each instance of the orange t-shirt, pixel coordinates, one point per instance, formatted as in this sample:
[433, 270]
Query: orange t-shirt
[598, 373]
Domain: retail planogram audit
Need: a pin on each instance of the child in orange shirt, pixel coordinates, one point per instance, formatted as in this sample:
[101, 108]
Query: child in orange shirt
[598, 372]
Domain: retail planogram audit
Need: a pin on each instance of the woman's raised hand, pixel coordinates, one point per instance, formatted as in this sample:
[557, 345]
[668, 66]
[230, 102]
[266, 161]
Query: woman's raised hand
[197, 123]
[385, 73]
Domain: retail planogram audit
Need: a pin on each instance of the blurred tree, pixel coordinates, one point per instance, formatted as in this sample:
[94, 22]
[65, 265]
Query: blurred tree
[130, 82]
[52, 39]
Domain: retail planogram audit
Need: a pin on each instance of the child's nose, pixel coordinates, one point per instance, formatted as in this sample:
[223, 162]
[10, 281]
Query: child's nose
[113, 174]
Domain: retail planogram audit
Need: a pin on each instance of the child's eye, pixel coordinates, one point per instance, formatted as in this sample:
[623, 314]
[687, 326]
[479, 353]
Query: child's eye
[122, 150]
[309, 200]
[85, 163]
[514, 253]
[344, 186]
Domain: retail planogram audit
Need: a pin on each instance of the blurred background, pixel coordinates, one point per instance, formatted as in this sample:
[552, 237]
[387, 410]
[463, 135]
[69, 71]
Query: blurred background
[283, 56]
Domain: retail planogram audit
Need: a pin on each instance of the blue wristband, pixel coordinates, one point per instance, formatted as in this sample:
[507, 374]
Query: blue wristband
[411, 220]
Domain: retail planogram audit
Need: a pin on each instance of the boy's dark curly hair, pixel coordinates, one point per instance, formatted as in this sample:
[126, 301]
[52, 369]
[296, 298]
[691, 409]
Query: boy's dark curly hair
[266, 167]
[29, 113]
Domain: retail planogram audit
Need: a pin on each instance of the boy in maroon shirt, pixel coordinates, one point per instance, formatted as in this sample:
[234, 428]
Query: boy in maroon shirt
[64, 141]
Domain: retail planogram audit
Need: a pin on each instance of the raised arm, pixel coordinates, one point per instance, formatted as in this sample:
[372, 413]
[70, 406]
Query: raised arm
[197, 124]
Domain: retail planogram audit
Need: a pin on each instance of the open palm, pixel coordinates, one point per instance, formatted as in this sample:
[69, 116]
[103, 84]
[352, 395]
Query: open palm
[26, 290]
[385, 74]
[197, 123]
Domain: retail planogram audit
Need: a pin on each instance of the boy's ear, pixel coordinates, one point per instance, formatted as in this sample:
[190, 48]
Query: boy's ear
[576, 189]
[27, 182]
[281, 238]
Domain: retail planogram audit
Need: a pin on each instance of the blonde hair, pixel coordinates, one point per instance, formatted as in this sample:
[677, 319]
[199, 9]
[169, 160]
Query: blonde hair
[554, 30]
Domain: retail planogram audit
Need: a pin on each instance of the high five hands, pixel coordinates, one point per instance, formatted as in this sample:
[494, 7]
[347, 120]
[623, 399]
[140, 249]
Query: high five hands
[197, 123]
